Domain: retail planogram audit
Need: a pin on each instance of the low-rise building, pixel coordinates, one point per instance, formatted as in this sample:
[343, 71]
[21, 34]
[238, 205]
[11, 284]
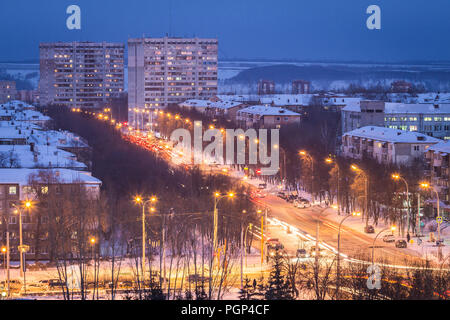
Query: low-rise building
[8, 91]
[427, 118]
[266, 117]
[437, 160]
[386, 145]
[17, 185]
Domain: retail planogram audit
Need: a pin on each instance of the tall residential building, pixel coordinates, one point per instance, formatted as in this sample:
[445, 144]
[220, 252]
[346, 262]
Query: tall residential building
[81, 74]
[167, 71]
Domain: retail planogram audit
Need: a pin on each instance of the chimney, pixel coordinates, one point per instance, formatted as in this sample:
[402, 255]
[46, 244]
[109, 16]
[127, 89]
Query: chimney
[32, 146]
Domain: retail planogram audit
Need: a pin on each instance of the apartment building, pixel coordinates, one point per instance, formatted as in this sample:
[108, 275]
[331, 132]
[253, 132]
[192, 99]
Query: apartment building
[386, 145]
[18, 185]
[81, 74]
[8, 91]
[437, 170]
[167, 71]
[266, 117]
[427, 118]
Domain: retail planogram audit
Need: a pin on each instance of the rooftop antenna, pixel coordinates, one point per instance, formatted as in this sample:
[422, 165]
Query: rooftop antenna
[170, 17]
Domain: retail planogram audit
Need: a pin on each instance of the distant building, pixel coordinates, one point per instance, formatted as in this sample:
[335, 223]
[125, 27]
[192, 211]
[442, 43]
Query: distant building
[401, 86]
[81, 74]
[386, 145]
[266, 87]
[438, 170]
[266, 117]
[301, 86]
[168, 71]
[294, 102]
[8, 91]
[429, 119]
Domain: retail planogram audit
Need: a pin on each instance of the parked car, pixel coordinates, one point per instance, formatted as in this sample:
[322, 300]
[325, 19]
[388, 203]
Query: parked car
[301, 253]
[262, 185]
[291, 198]
[54, 283]
[369, 229]
[400, 244]
[303, 203]
[389, 238]
[281, 195]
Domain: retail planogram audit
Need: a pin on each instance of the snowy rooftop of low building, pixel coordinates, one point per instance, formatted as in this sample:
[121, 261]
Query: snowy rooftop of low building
[268, 111]
[405, 108]
[391, 135]
[287, 99]
[196, 103]
[225, 104]
[64, 176]
[238, 97]
[441, 147]
[30, 115]
[21, 156]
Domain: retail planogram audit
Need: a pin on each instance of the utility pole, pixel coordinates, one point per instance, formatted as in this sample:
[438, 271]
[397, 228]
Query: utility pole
[7, 261]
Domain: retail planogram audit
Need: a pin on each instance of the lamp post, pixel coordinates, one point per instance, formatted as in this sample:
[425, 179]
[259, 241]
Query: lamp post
[242, 251]
[392, 228]
[366, 187]
[330, 160]
[217, 197]
[425, 185]
[4, 250]
[142, 202]
[21, 248]
[309, 157]
[249, 227]
[396, 176]
[354, 214]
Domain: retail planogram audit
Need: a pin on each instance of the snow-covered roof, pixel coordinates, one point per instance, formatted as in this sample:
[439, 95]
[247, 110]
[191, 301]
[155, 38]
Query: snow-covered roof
[391, 135]
[64, 176]
[42, 157]
[30, 115]
[268, 111]
[287, 99]
[441, 147]
[238, 97]
[196, 103]
[225, 104]
[405, 108]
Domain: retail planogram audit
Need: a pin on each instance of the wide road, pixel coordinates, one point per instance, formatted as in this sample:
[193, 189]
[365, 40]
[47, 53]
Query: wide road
[353, 243]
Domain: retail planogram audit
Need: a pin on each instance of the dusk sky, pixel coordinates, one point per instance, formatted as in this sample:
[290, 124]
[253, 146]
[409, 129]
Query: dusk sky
[271, 29]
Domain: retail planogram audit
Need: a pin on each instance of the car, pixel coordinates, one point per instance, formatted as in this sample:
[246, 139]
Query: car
[260, 195]
[389, 238]
[281, 195]
[262, 185]
[369, 229]
[301, 253]
[291, 198]
[303, 203]
[400, 244]
[53, 283]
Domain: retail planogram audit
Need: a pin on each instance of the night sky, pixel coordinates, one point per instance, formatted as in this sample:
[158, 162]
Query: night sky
[272, 29]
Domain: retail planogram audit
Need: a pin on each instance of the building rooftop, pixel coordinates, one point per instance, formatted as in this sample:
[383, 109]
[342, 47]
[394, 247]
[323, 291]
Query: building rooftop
[65, 176]
[287, 99]
[268, 111]
[441, 147]
[405, 108]
[391, 135]
[42, 157]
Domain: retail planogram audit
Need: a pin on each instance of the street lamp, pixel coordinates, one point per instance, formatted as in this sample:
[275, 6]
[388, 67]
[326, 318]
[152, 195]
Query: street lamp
[330, 160]
[397, 177]
[142, 202]
[366, 187]
[392, 228]
[425, 185]
[217, 197]
[27, 204]
[354, 214]
[303, 153]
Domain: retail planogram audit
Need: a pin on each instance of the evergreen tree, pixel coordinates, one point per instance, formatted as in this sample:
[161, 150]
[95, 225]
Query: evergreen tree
[278, 287]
